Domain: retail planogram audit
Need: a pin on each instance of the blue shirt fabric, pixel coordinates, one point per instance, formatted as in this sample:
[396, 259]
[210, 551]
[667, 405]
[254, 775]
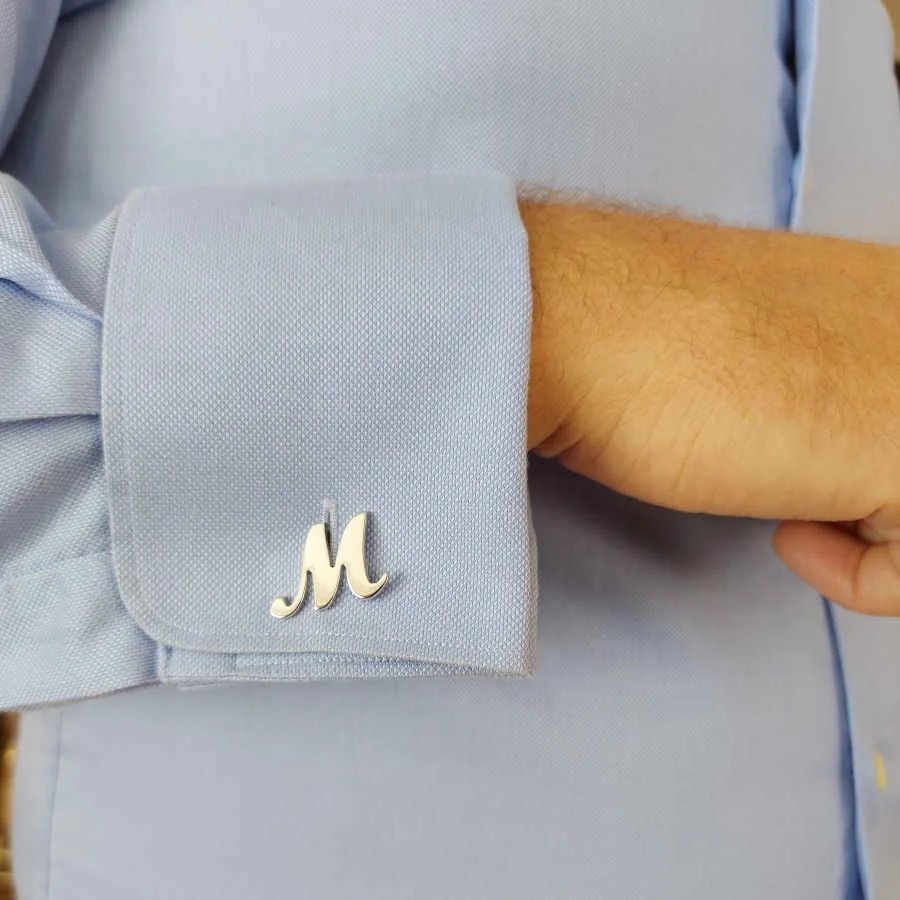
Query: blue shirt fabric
[699, 723]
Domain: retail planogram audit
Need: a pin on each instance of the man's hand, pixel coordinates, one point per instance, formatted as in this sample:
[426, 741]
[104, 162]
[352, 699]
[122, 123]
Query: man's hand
[727, 371]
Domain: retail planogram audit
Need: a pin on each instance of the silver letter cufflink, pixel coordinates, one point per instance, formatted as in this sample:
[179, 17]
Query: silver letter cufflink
[316, 561]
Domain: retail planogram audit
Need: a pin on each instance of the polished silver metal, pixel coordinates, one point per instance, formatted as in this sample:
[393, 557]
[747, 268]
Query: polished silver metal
[316, 561]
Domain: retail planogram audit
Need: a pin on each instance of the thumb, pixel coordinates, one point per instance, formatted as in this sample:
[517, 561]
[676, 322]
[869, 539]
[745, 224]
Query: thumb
[856, 564]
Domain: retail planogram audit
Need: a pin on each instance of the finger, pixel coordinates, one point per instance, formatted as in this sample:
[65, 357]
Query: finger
[843, 566]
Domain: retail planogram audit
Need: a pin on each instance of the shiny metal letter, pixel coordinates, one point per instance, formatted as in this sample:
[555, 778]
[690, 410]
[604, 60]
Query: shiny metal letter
[326, 577]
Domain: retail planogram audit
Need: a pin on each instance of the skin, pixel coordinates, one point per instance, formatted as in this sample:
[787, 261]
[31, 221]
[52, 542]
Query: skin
[727, 371]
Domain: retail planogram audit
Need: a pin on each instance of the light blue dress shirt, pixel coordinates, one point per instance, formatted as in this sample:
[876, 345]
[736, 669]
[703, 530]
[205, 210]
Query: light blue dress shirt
[261, 258]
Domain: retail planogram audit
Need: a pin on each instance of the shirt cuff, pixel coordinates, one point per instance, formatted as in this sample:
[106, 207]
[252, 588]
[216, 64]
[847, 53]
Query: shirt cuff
[330, 379]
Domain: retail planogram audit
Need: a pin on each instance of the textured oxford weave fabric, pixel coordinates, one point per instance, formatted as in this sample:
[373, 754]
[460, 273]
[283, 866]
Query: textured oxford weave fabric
[322, 361]
[316, 422]
[62, 632]
[686, 734]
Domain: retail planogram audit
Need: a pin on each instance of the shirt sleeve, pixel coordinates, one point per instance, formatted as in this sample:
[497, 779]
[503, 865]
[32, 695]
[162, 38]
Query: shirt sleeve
[225, 411]
[26, 27]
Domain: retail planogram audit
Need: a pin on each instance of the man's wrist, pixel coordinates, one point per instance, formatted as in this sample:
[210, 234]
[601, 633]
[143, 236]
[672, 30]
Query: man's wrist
[575, 277]
[547, 391]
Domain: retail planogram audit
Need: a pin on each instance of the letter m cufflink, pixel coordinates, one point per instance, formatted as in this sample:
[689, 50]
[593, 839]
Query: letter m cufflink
[326, 578]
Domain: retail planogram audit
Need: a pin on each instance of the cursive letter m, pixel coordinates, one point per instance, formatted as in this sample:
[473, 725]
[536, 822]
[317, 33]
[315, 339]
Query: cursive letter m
[316, 561]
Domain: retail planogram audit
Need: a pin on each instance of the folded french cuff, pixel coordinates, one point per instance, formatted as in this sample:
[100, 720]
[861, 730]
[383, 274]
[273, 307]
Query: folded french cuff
[313, 417]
